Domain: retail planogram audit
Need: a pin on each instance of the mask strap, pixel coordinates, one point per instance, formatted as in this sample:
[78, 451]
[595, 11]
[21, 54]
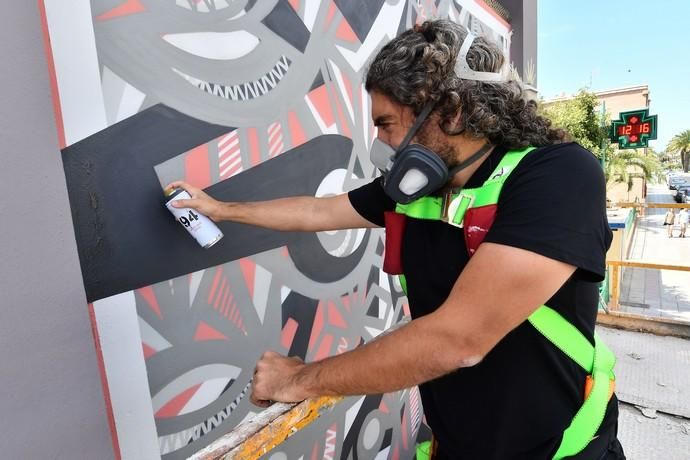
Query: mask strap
[473, 158]
[417, 124]
[463, 70]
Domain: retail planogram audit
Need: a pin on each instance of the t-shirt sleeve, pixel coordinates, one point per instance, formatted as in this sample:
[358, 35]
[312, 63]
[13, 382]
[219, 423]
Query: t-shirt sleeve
[371, 201]
[554, 204]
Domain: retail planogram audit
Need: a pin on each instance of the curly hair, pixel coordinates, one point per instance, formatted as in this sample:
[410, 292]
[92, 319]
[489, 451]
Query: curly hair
[418, 66]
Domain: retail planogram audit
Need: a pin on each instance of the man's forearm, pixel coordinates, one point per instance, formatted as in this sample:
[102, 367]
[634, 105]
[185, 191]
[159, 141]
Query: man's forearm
[418, 352]
[299, 213]
[284, 214]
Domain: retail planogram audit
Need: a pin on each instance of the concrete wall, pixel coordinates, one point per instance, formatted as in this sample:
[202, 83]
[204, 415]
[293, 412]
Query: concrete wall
[51, 401]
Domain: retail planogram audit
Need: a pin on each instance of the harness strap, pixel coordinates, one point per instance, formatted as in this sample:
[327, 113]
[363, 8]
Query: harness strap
[597, 360]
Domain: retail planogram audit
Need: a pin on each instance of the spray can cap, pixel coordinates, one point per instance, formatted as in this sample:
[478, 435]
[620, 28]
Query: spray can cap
[173, 192]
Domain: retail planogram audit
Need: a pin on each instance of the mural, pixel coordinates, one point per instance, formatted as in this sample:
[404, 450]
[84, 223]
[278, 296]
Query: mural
[252, 100]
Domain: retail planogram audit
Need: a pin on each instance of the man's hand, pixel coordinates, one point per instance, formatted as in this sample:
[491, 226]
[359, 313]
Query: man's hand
[200, 201]
[276, 379]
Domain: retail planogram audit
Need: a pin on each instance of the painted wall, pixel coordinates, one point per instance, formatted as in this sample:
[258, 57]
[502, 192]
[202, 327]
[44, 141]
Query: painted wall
[51, 399]
[251, 100]
[523, 47]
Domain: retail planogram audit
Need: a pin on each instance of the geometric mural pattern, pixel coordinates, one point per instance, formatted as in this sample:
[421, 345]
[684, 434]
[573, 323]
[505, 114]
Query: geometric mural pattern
[278, 74]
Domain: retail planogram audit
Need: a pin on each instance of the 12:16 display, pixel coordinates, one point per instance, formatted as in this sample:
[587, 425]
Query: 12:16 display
[632, 129]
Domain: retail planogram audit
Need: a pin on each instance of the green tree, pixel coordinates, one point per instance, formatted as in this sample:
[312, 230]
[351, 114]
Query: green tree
[680, 143]
[582, 120]
[670, 161]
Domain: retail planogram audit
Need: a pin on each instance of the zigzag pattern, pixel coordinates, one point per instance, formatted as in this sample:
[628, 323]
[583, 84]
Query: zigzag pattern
[173, 442]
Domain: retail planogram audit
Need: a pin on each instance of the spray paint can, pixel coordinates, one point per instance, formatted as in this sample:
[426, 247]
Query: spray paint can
[204, 231]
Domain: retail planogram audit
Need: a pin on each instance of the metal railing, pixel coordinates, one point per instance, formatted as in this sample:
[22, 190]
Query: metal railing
[615, 275]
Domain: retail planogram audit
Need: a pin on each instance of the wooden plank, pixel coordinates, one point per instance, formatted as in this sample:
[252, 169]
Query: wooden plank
[282, 428]
[644, 264]
[241, 433]
[653, 205]
[254, 437]
[615, 288]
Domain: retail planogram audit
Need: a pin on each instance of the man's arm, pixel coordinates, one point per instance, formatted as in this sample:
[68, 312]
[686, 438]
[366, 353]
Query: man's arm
[300, 213]
[498, 289]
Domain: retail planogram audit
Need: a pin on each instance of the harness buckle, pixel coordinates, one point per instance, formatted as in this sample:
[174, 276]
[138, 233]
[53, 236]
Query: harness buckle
[458, 206]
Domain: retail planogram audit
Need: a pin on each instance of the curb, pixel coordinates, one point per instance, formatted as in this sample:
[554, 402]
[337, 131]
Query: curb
[641, 323]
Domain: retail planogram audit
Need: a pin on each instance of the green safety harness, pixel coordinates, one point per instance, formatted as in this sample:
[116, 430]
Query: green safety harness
[598, 361]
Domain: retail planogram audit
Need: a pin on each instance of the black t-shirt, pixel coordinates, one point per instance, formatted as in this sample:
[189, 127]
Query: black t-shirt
[517, 402]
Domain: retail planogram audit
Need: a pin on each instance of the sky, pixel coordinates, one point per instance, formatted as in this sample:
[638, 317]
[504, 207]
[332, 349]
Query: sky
[607, 44]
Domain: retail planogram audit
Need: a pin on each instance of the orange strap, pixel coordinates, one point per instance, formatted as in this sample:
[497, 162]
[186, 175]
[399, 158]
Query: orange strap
[589, 382]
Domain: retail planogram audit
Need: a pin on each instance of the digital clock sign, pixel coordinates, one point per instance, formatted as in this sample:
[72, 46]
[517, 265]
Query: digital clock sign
[634, 129]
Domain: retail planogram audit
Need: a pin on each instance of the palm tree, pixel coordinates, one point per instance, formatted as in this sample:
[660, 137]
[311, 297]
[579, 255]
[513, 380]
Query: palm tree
[680, 143]
[625, 165]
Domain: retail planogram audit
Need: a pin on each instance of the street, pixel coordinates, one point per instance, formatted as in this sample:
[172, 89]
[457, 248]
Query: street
[652, 292]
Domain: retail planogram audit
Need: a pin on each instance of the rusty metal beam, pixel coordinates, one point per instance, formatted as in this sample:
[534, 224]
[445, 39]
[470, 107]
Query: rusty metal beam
[255, 437]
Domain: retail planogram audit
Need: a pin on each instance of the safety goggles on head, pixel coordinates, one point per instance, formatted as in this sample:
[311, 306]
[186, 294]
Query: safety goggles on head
[463, 70]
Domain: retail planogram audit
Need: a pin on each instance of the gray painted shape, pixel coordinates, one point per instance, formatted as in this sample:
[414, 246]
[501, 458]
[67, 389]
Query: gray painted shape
[51, 402]
[515, 9]
[360, 15]
[286, 23]
[529, 28]
[523, 46]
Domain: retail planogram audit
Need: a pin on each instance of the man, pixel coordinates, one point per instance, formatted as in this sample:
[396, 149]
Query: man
[683, 221]
[486, 231]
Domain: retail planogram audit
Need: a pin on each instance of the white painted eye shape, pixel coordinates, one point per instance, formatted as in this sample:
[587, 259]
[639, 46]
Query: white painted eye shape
[220, 46]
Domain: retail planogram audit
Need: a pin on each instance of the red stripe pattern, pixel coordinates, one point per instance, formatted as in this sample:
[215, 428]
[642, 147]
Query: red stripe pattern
[222, 300]
[275, 140]
[229, 155]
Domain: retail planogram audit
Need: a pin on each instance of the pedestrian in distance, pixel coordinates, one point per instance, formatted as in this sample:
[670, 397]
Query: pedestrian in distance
[498, 226]
[669, 220]
[683, 221]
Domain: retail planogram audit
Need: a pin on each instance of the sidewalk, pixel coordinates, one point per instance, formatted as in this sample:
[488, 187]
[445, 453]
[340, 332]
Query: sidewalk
[651, 292]
[652, 385]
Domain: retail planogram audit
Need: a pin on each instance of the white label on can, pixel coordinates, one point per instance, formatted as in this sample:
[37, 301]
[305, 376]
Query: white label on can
[204, 231]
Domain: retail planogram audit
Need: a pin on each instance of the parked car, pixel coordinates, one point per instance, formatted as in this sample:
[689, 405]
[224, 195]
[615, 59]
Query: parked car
[676, 182]
[682, 194]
